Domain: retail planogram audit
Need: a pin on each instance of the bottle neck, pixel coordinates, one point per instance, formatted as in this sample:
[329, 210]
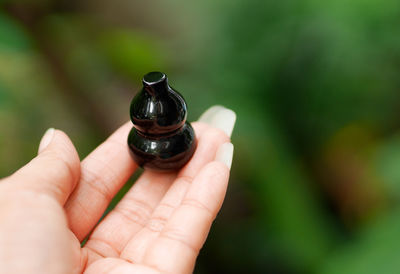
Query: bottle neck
[155, 83]
[157, 89]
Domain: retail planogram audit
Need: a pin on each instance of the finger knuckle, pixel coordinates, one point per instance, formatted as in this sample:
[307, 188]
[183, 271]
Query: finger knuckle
[135, 210]
[62, 167]
[179, 236]
[194, 203]
[157, 224]
[97, 183]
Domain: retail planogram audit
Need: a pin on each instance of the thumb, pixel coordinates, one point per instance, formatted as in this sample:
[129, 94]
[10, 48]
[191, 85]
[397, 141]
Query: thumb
[54, 172]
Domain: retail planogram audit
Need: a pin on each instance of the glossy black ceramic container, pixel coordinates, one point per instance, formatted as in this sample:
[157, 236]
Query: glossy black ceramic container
[160, 139]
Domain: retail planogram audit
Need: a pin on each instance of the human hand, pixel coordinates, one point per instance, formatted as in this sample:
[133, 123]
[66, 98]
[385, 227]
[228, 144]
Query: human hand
[50, 205]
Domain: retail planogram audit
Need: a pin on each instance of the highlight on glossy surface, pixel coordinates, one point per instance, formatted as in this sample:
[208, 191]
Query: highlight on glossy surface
[160, 139]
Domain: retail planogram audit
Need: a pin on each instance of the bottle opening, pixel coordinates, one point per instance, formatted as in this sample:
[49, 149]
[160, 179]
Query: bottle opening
[153, 78]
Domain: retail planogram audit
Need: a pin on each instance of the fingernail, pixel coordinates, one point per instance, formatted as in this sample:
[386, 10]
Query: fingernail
[46, 139]
[208, 115]
[225, 154]
[224, 119]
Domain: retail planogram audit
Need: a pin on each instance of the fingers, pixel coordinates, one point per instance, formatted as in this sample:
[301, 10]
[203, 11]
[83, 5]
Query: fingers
[54, 172]
[208, 144]
[103, 173]
[176, 248]
[133, 211]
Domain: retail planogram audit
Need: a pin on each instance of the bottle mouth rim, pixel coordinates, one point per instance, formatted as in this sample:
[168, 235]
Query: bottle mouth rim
[153, 78]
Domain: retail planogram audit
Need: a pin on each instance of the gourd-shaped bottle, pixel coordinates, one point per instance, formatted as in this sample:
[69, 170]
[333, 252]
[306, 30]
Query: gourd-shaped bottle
[160, 139]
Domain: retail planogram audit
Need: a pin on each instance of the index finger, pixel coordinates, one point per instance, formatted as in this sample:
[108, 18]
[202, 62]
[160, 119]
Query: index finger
[103, 172]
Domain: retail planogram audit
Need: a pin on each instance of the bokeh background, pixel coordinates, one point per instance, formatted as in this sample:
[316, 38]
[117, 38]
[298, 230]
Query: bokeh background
[315, 184]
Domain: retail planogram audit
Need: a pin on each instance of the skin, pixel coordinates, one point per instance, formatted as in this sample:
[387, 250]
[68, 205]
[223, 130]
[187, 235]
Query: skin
[51, 204]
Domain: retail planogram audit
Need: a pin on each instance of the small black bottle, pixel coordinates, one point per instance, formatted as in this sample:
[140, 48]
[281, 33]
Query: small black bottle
[161, 139]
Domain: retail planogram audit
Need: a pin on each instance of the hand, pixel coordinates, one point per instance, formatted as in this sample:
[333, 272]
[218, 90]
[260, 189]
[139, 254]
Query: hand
[50, 205]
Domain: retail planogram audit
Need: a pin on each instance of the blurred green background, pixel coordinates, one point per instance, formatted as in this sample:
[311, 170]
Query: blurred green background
[315, 184]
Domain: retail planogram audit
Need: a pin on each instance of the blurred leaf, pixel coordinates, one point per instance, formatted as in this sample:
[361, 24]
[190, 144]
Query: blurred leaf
[12, 37]
[387, 163]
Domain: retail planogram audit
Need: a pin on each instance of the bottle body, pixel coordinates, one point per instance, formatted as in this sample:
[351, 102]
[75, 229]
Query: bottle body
[160, 139]
[163, 152]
